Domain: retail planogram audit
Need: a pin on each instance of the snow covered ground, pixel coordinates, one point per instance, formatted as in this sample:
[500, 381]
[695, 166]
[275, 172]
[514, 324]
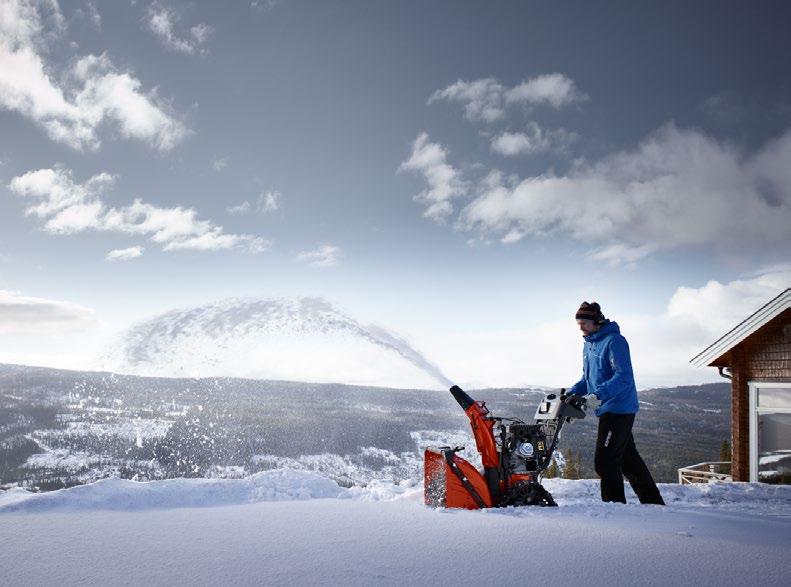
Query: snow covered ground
[299, 528]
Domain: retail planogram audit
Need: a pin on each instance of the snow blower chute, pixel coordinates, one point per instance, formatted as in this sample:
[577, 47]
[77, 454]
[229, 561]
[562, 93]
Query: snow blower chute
[514, 455]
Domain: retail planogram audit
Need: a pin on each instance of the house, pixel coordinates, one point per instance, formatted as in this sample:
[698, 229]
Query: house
[756, 357]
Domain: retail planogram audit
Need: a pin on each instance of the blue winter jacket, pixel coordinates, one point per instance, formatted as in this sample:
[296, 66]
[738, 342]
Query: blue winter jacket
[607, 371]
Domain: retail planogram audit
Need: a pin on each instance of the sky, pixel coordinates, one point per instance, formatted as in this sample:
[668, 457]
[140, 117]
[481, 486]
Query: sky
[461, 173]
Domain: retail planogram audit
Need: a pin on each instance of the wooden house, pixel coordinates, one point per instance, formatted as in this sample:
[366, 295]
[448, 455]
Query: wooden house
[756, 356]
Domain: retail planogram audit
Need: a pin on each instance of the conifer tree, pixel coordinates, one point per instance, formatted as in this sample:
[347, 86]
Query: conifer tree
[572, 469]
[552, 469]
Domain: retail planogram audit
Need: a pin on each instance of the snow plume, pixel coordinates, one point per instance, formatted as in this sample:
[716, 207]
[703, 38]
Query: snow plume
[68, 207]
[679, 188]
[305, 339]
[92, 91]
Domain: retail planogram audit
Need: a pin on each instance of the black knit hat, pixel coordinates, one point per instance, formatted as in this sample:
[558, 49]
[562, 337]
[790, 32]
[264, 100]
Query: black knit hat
[590, 312]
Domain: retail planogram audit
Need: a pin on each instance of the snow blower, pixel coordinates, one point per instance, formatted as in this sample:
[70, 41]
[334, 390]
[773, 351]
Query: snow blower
[514, 456]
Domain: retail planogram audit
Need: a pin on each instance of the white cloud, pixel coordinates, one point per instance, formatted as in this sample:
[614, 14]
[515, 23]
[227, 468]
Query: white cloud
[54, 333]
[162, 21]
[444, 182]
[125, 254]
[72, 106]
[554, 89]
[242, 208]
[270, 201]
[90, 12]
[678, 188]
[220, 163]
[486, 99]
[265, 5]
[533, 140]
[483, 98]
[23, 314]
[547, 352]
[266, 203]
[68, 207]
[324, 256]
[619, 253]
[717, 307]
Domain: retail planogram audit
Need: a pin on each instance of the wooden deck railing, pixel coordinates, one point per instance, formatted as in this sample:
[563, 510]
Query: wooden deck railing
[711, 472]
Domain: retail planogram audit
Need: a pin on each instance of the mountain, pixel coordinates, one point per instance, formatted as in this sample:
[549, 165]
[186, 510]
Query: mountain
[61, 428]
[292, 339]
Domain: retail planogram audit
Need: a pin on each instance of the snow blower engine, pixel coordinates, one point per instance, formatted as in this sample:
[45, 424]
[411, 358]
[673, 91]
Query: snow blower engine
[514, 455]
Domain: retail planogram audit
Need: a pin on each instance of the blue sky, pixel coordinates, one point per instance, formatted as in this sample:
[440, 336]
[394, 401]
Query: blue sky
[463, 173]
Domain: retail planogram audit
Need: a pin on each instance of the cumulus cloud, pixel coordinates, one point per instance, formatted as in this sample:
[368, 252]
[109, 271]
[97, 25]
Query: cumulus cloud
[266, 203]
[482, 99]
[532, 141]
[444, 181]
[24, 314]
[90, 13]
[89, 93]
[486, 99]
[324, 256]
[220, 163]
[69, 207]
[265, 5]
[55, 333]
[677, 188]
[125, 254]
[554, 89]
[163, 21]
[716, 307]
[547, 351]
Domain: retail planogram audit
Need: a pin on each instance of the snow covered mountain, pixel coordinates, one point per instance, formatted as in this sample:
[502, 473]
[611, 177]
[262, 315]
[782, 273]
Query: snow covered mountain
[305, 339]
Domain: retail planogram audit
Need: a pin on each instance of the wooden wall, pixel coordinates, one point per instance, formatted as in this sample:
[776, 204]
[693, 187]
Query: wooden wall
[763, 356]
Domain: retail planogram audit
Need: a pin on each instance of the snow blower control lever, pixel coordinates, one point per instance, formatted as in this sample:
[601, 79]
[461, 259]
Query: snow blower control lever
[514, 456]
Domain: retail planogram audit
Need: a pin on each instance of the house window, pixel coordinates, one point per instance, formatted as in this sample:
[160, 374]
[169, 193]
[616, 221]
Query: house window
[770, 432]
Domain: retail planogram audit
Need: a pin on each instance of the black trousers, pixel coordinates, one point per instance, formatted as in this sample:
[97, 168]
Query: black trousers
[617, 457]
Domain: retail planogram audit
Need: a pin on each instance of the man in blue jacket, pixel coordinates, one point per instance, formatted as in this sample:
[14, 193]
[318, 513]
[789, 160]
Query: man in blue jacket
[607, 374]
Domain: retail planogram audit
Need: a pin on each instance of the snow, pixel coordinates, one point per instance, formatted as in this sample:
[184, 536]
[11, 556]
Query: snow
[302, 339]
[297, 527]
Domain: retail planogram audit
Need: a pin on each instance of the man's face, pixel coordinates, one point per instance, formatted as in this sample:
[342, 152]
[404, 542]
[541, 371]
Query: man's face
[587, 326]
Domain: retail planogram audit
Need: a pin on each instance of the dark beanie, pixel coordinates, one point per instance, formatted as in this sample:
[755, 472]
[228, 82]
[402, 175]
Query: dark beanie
[590, 312]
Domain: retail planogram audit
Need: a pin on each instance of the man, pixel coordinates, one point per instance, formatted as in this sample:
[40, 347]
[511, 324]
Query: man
[607, 373]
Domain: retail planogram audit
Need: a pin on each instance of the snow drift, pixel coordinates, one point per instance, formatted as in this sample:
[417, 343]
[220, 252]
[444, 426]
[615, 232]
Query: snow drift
[297, 528]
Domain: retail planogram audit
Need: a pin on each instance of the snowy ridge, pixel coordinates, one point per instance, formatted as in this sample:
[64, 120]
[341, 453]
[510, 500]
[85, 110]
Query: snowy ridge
[305, 339]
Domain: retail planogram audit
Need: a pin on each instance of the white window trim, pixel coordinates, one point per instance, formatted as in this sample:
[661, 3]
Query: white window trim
[754, 411]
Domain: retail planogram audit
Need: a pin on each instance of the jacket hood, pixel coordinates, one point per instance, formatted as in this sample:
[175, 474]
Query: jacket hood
[607, 329]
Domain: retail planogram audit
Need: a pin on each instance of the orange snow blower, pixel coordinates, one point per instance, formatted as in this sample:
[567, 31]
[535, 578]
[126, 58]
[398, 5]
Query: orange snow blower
[514, 455]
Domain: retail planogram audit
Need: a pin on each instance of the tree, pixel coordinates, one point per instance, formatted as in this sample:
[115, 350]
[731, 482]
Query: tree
[552, 469]
[572, 468]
